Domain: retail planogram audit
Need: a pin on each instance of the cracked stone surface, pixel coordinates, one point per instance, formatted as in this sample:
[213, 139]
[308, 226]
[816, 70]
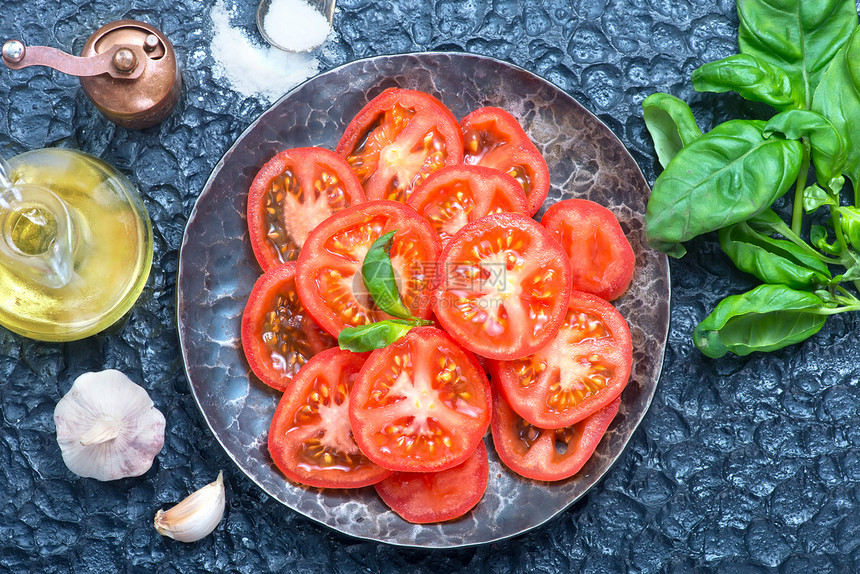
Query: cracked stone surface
[740, 465]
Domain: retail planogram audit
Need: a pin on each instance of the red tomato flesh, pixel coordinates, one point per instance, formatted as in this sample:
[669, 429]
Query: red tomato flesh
[421, 404]
[397, 140]
[453, 196]
[494, 138]
[328, 272]
[581, 370]
[601, 259]
[542, 454]
[310, 439]
[502, 286]
[427, 497]
[278, 335]
[295, 191]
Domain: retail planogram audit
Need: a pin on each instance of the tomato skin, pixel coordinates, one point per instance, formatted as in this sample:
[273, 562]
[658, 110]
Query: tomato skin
[502, 286]
[301, 332]
[455, 195]
[311, 424]
[422, 404]
[581, 370]
[284, 204]
[601, 258]
[494, 138]
[328, 271]
[382, 140]
[428, 497]
[532, 452]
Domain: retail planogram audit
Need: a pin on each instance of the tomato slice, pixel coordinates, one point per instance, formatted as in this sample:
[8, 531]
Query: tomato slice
[397, 140]
[583, 369]
[278, 335]
[328, 272]
[421, 404]
[310, 439]
[427, 497]
[502, 286]
[494, 138]
[455, 195]
[294, 192]
[542, 454]
[601, 259]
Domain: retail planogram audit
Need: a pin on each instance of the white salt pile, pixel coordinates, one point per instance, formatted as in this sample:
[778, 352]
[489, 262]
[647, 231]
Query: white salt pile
[264, 73]
[295, 25]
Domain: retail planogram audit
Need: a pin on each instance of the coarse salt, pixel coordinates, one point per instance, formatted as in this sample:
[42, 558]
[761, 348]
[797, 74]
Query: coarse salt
[264, 73]
[295, 25]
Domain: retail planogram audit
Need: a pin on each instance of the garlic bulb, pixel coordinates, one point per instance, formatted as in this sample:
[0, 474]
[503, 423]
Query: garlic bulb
[196, 516]
[108, 427]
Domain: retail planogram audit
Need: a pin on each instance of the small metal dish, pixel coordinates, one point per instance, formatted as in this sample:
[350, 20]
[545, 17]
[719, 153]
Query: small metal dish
[326, 7]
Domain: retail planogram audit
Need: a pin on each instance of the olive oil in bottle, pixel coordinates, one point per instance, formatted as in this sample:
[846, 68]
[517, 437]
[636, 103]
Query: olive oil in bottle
[75, 245]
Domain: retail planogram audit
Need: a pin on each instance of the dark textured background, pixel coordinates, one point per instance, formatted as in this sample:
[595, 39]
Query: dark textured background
[741, 465]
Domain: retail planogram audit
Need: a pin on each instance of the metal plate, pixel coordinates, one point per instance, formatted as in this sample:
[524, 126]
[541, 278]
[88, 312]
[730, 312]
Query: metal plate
[217, 270]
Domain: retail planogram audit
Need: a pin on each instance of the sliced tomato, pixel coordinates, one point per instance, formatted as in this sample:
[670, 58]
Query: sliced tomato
[292, 194]
[494, 138]
[502, 286]
[542, 454]
[328, 272]
[455, 195]
[310, 439]
[397, 140]
[427, 497]
[278, 335]
[580, 371]
[601, 259]
[421, 404]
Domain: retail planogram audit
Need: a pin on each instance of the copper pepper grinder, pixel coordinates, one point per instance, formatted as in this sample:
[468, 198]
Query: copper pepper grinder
[127, 68]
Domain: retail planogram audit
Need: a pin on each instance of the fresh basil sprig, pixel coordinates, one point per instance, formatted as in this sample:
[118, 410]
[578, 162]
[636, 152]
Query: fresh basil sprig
[803, 59]
[378, 276]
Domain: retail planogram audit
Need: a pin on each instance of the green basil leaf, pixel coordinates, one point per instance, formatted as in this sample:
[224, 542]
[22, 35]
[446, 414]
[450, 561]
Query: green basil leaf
[751, 77]
[800, 36]
[767, 221]
[775, 261]
[853, 267]
[724, 177]
[838, 99]
[818, 237]
[849, 221]
[378, 276]
[373, 335]
[828, 149]
[767, 318]
[671, 124]
[814, 197]
[827, 298]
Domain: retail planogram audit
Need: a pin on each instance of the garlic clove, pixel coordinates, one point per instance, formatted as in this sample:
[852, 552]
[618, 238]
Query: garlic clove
[196, 516]
[108, 427]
